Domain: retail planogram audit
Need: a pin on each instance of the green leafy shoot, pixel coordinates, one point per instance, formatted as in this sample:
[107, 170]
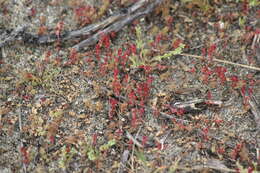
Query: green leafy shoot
[92, 154]
[66, 157]
[139, 41]
[108, 145]
[136, 62]
[139, 59]
[140, 156]
[168, 55]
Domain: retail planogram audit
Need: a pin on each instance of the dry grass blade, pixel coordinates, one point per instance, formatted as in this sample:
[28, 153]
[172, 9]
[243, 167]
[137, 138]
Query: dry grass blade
[210, 164]
[223, 61]
[130, 137]
[21, 139]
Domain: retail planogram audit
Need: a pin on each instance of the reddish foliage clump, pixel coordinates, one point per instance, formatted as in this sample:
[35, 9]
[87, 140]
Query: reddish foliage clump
[245, 8]
[205, 133]
[143, 90]
[144, 140]
[206, 73]
[235, 151]
[98, 51]
[132, 97]
[59, 28]
[169, 20]
[116, 87]
[33, 12]
[177, 43]
[211, 50]
[134, 118]
[234, 79]
[73, 57]
[25, 155]
[221, 73]
[221, 150]
[130, 144]
[113, 102]
[94, 139]
[83, 14]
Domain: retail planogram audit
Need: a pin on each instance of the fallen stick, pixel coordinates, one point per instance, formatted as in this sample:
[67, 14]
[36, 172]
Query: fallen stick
[117, 25]
[92, 28]
[93, 31]
[12, 36]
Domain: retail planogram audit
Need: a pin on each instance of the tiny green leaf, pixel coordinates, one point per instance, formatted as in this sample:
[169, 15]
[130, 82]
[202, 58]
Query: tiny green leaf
[108, 145]
[171, 53]
[92, 154]
[140, 155]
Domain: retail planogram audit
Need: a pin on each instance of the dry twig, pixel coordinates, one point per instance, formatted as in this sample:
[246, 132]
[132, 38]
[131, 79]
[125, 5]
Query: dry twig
[21, 138]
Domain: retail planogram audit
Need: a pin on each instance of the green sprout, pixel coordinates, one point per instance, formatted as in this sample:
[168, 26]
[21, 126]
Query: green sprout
[169, 54]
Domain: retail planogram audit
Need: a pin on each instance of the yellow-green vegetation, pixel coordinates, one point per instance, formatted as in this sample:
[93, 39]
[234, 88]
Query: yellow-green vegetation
[141, 157]
[252, 3]
[28, 78]
[49, 76]
[140, 58]
[169, 54]
[242, 21]
[45, 80]
[66, 156]
[204, 5]
[93, 153]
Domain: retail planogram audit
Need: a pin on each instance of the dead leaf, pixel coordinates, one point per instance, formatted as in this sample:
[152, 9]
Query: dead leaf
[166, 75]
[72, 113]
[71, 139]
[171, 86]
[183, 66]
[244, 153]
[4, 110]
[99, 106]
